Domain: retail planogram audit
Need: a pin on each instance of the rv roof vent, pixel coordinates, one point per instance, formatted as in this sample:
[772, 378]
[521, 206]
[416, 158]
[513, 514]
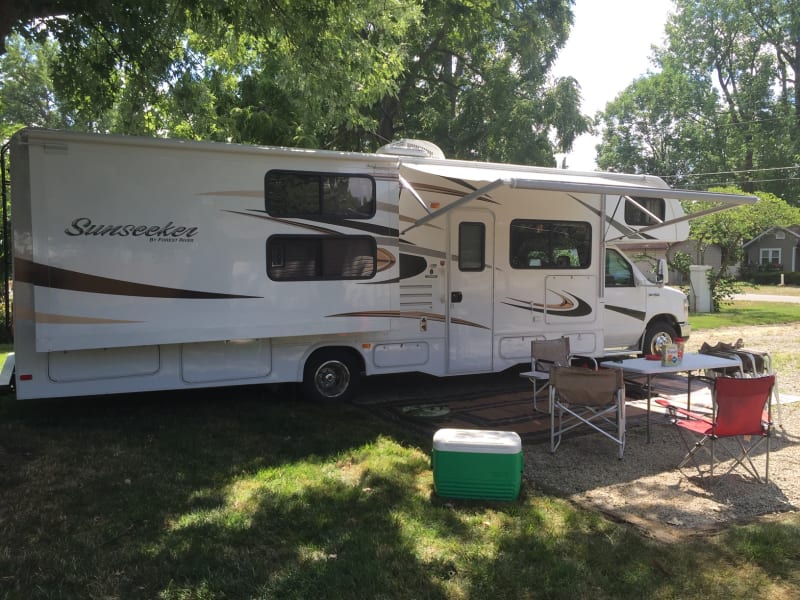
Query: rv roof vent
[419, 148]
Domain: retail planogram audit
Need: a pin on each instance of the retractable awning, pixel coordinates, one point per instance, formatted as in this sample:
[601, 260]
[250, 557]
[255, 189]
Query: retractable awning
[484, 180]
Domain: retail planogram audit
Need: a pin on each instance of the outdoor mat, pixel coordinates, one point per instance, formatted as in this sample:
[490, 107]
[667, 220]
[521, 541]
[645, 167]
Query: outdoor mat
[508, 411]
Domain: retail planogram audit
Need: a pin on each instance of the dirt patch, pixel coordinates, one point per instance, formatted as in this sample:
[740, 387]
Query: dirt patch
[646, 489]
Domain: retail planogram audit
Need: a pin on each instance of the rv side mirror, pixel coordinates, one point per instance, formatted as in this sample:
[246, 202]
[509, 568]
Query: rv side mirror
[662, 272]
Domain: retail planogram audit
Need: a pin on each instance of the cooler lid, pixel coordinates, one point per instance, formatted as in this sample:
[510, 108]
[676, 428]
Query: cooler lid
[477, 441]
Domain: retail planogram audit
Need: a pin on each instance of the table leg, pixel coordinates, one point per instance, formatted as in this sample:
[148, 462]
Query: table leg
[649, 396]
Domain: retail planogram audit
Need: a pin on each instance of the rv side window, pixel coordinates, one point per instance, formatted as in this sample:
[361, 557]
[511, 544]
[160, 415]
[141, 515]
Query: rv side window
[309, 257]
[304, 194]
[619, 272]
[539, 244]
[636, 216]
[471, 246]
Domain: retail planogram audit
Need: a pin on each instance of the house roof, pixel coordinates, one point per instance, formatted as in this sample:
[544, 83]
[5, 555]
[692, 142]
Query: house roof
[792, 230]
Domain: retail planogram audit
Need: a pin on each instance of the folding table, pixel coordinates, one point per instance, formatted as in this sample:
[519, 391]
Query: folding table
[651, 368]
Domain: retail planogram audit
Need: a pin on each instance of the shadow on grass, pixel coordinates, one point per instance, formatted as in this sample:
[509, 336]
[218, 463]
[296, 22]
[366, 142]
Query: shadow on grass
[237, 493]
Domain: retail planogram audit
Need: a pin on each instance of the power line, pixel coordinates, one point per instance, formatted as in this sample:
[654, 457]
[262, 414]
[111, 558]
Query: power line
[732, 172]
[725, 182]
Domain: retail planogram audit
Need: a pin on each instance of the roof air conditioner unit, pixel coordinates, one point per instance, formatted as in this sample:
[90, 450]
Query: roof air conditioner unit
[418, 148]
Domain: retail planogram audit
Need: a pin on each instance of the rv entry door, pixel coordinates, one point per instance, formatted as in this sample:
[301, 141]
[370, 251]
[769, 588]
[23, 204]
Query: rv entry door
[470, 291]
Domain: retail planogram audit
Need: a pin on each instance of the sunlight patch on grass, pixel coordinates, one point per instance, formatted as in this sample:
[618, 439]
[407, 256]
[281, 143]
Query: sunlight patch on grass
[747, 313]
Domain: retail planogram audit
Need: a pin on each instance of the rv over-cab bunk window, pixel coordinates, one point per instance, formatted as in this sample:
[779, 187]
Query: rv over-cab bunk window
[318, 257]
[635, 216]
[306, 194]
[540, 244]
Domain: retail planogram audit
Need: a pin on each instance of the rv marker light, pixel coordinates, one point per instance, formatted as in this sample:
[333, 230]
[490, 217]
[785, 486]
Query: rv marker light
[26, 377]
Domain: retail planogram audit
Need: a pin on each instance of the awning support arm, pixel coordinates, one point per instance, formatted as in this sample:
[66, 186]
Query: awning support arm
[460, 202]
[413, 192]
[686, 217]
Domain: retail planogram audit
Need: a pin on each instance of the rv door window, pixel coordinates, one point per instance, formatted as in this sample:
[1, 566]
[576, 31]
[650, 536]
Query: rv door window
[539, 244]
[304, 194]
[471, 246]
[309, 257]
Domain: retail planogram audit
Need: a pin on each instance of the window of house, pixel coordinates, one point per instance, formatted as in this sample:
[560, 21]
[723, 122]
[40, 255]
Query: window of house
[302, 194]
[636, 216]
[471, 246]
[541, 244]
[770, 256]
[311, 257]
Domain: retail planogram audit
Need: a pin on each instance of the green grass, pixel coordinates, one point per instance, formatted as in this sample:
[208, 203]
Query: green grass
[747, 313]
[229, 494]
[235, 494]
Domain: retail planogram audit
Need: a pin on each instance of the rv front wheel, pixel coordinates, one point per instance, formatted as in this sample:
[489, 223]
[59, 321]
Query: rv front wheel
[658, 334]
[330, 376]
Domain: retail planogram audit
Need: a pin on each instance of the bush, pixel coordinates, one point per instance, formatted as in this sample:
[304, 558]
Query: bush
[771, 278]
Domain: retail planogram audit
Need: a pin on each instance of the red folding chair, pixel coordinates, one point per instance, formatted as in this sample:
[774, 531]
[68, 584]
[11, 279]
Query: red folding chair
[742, 411]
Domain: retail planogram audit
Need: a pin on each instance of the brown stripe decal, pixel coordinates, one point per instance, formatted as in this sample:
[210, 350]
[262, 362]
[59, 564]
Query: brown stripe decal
[64, 279]
[396, 314]
[41, 317]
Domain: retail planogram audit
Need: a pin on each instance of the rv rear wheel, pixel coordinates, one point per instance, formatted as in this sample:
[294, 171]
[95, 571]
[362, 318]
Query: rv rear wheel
[658, 334]
[330, 375]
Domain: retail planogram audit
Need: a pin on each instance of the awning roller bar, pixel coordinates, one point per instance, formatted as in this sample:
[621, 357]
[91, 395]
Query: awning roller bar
[603, 189]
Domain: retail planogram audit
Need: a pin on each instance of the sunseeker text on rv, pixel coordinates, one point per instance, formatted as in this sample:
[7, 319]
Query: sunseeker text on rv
[84, 226]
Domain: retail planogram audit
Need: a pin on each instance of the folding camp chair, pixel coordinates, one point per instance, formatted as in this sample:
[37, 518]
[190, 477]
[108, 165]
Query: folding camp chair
[546, 354]
[585, 397]
[754, 363]
[742, 411]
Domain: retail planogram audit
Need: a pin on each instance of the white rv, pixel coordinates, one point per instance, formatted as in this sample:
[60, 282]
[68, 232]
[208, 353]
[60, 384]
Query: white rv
[148, 264]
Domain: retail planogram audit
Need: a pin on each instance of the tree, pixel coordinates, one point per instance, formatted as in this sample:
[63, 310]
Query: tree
[476, 82]
[729, 229]
[26, 91]
[659, 125]
[336, 57]
[744, 53]
[470, 76]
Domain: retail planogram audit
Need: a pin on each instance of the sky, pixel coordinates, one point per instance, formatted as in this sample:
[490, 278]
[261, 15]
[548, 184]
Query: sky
[608, 47]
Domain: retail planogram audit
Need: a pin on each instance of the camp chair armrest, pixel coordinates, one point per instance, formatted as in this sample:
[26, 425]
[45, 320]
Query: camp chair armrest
[677, 411]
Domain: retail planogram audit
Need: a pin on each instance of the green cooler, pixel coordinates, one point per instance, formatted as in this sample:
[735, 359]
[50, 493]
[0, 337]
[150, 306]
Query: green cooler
[471, 463]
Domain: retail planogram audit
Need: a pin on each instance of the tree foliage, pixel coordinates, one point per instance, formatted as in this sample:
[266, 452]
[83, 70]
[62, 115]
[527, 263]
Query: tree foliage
[729, 229]
[471, 76]
[658, 125]
[724, 106]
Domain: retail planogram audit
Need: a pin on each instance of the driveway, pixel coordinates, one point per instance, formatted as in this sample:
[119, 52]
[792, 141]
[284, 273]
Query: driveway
[766, 298]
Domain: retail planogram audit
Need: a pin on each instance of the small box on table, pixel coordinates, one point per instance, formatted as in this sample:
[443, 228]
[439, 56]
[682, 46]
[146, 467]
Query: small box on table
[471, 463]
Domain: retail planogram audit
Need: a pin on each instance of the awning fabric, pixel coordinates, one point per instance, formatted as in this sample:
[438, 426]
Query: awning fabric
[487, 179]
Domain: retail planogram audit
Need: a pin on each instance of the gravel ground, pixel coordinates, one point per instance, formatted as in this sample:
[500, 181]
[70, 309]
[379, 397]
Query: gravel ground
[645, 488]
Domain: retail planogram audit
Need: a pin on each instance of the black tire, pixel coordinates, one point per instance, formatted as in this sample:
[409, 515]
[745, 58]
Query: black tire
[331, 375]
[658, 334]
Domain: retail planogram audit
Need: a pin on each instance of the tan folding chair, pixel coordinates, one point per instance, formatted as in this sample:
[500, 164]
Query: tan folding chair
[546, 354]
[583, 397]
